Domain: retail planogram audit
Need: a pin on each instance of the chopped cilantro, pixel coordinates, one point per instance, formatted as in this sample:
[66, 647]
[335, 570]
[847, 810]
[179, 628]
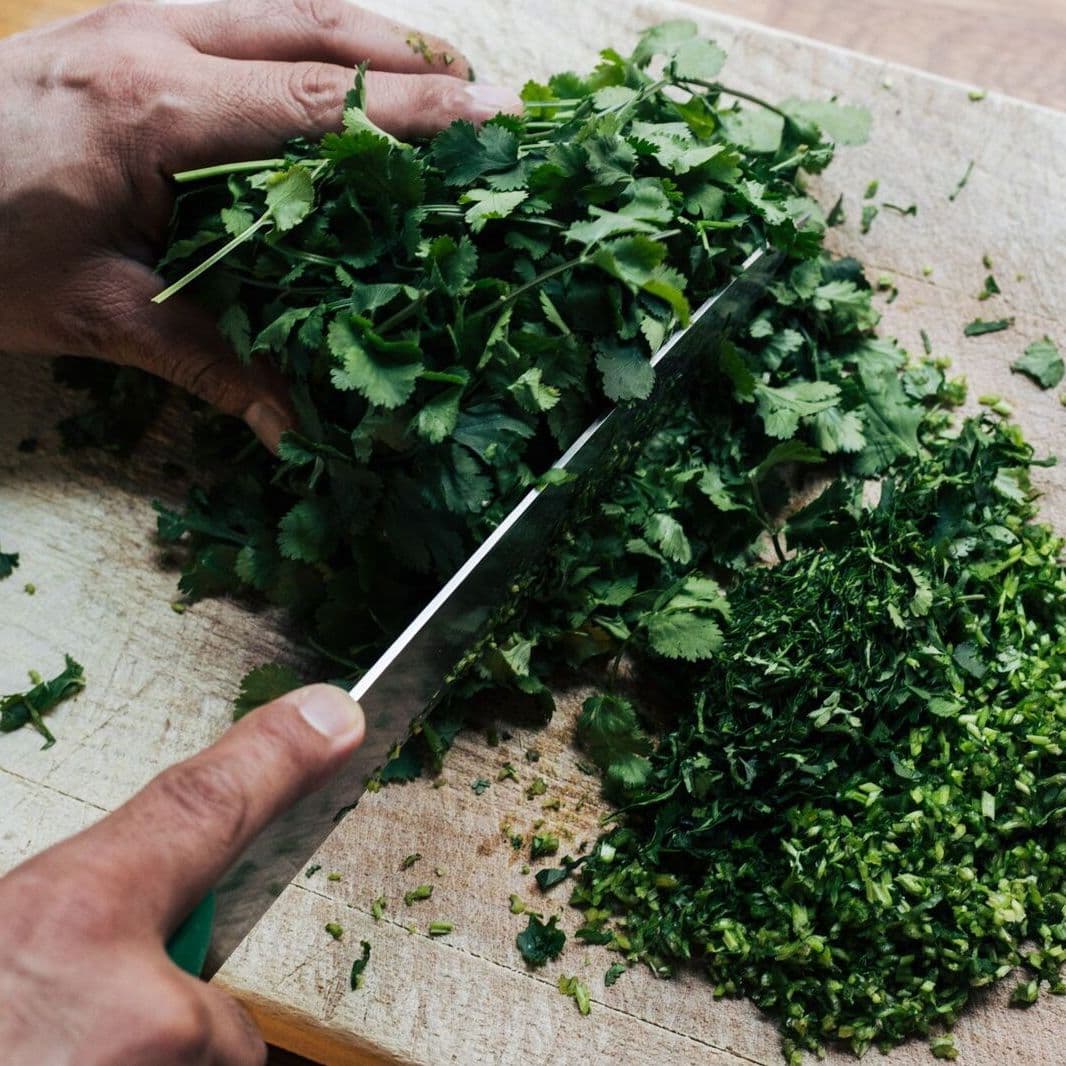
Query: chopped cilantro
[1041, 363]
[29, 708]
[540, 941]
[359, 966]
[979, 326]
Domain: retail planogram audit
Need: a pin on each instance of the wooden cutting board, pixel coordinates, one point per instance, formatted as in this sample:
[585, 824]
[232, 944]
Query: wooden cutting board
[159, 682]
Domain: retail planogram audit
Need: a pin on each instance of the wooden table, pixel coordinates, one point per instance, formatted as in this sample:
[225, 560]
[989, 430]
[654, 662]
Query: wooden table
[160, 682]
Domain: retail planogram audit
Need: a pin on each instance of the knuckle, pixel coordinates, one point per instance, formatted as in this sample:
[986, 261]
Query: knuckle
[81, 909]
[444, 100]
[202, 793]
[119, 15]
[313, 92]
[325, 16]
[182, 1029]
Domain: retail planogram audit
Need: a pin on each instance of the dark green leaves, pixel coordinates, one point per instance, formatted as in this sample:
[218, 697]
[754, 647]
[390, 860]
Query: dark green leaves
[8, 562]
[1041, 363]
[28, 708]
[465, 154]
[609, 732]
[384, 371]
[355, 981]
[978, 327]
[264, 684]
[539, 941]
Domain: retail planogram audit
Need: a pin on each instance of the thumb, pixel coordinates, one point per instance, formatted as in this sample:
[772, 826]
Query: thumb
[184, 829]
[179, 341]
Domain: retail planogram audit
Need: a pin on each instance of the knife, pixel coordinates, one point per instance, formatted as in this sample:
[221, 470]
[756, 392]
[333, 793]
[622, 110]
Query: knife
[412, 674]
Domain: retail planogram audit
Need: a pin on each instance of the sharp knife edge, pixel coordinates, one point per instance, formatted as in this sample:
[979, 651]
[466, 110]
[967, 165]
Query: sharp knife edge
[410, 675]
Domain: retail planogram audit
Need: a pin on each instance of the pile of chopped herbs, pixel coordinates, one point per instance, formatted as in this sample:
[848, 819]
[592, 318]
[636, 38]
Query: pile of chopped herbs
[841, 790]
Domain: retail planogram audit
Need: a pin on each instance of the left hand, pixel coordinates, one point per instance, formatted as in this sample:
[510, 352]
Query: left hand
[98, 112]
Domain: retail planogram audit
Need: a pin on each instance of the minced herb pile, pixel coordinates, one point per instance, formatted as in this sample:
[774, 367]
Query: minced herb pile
[843, 794]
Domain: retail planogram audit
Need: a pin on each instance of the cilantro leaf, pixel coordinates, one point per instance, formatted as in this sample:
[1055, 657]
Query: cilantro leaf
[1041, 363]
[540, 941]
[263, 684]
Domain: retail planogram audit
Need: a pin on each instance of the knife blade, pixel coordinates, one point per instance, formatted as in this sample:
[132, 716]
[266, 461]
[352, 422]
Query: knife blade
[411, 675]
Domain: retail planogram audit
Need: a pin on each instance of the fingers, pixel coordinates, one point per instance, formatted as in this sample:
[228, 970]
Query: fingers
[235, 1039]
[180, 342]
[172, 841]
[254, 107]
[332, 30]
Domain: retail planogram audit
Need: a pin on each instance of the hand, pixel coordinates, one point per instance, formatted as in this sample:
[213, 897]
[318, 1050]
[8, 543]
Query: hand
[84, 978]
[95, 115]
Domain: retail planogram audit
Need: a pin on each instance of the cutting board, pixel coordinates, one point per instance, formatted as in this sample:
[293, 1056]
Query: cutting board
[160, 682]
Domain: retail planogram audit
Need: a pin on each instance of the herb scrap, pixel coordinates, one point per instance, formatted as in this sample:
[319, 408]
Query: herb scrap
[29, 708]
[540, 941]
[359, 966]
[1041, 363]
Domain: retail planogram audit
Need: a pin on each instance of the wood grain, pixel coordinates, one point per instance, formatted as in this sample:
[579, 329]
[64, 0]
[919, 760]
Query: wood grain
[159, 682]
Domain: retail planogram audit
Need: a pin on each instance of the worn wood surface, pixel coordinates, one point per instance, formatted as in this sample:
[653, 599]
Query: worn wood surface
[159, 682]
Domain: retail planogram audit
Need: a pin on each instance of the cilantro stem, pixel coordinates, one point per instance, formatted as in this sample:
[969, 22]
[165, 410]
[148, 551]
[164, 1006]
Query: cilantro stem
[718, 87]
[263, 220]
[201, 173]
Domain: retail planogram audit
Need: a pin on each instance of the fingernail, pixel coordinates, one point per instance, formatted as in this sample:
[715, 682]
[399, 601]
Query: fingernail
[267, 422]
[330, 711]
[490, 100]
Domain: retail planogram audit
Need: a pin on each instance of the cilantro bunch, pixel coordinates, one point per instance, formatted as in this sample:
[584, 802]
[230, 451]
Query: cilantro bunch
[451, 315]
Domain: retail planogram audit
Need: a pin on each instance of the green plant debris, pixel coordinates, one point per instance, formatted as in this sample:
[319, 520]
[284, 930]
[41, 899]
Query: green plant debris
[962, 182]
[421, 892]
[410, 860]
[8, 562]
[479, 785]
[543, 844]
[990, 288]
[311, 871]
[978, 327]
[29, 708]
[335, 930]
[614, 971]
[577, 990]
[359, 967]
[540, 941]
[377, 908]
[1041, 363]
[440, 928]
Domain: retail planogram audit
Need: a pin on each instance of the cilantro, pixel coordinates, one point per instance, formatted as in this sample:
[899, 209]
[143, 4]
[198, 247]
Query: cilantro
[264, 684]
[614, 971]
[979, 326]
[1041, 363]
[28, 708]
[358, 966]
[421, 892]
[540, 941]
[962, 182]
[578, 990]
[8, 562]
[543, 844]
[479, 785]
